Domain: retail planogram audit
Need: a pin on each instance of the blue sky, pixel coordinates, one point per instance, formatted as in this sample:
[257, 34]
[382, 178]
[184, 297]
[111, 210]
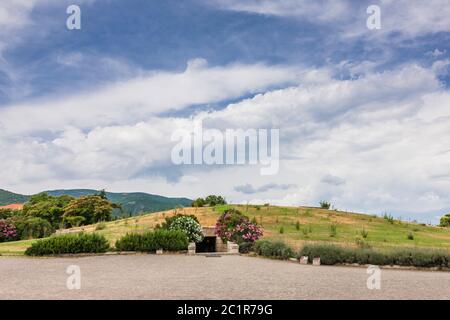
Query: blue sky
[163, 35]
[95, 107]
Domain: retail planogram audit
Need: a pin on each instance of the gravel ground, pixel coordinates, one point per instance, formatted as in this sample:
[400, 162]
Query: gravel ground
[199, 277]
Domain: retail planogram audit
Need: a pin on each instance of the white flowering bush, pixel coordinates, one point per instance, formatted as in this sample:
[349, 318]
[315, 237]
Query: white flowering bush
[191, 227]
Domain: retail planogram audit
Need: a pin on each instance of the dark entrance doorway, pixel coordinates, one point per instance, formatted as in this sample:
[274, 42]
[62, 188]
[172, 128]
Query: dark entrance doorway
[207, 245]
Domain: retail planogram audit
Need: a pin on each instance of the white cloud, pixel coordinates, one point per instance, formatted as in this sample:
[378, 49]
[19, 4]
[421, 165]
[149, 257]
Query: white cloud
[136, 99]
[410, 18]
[319, 10]
[386, 135]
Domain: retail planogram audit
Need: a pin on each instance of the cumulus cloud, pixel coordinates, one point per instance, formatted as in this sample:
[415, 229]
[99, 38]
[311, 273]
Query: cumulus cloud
[385, 136]
[138, 98]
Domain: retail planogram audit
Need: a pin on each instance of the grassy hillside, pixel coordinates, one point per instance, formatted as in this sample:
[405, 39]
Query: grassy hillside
[7, 197]
[315, 226]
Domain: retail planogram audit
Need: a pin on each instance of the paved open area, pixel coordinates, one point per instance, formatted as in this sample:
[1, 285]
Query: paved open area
[199, 277]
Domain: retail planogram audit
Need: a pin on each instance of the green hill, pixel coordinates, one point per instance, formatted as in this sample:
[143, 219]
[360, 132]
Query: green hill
[296, 226]
[7, 197]
[132, 203]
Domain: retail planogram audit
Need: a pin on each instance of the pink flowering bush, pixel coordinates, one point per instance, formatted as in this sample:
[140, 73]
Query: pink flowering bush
[232, 225]
[8, 231]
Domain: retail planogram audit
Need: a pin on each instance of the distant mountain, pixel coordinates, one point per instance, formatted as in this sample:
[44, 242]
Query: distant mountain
[7, 197]
[132, 203]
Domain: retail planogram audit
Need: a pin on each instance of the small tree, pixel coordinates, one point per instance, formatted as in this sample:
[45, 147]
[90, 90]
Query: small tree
[325, 205]
[445, 221]
[211, 200]
[47, 207]
[199, 202]
[92, 208]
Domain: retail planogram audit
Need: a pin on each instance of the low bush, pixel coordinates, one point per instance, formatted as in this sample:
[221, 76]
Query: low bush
[330, 255]
[389, 218]
[364, 233]
[100, 226]
[273, 249]
[333, 230]
[168, 240]
[69, 243]
[73, 221]
[246, 247]
[34, 228]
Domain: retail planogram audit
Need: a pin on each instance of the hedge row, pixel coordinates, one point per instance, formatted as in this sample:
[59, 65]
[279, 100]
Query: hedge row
[330, 255]
[273, 249]
[69, 243]
[168, 240]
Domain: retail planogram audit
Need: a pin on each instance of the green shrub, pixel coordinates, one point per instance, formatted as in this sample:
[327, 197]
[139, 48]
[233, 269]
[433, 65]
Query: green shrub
[69, 243]
[305, 232]
[273, 249]
[211, 200]
[73, 221]
[7, 213]
[168, 240]
[246, 247]
[297, 226]
[100, 226]
[364, 233]
[333, 230]
[34, 228]
[325, 205]
[445, 221]
[330, 255]
[410, 236]
[389, 218]
[281, 230]
[361, 243]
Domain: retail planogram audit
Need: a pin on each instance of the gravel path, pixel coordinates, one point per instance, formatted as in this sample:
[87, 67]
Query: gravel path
[198, 277]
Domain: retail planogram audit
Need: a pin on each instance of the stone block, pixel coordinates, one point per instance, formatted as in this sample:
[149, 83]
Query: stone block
[316, 262]
[191, 248]
[232, 247]
[304, 260]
